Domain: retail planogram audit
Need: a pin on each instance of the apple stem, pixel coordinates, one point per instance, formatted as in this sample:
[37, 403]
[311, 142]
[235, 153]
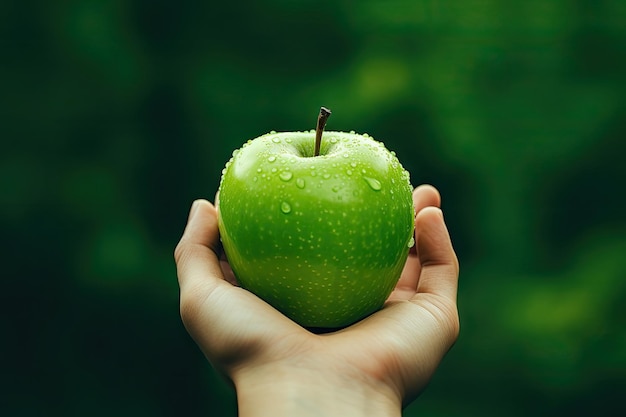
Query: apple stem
[321, 123]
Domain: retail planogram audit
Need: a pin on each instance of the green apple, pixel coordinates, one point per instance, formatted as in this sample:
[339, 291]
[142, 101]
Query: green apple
[322, 238]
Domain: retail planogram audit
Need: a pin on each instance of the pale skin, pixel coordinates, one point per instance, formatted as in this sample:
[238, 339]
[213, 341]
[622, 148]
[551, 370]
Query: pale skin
[278, 368]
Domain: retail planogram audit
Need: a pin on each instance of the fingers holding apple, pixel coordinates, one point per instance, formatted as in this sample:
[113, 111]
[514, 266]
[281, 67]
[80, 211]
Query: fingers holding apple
[439, 263]
[423, 196]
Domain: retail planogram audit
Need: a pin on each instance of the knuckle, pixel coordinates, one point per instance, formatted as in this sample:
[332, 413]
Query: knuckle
[446, 315]
[180, 251]
[455, 326]
[450, 320]
[189, 308]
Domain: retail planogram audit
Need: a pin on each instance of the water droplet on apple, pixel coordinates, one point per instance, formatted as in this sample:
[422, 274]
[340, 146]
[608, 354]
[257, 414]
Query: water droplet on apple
[259, 170]
[365, 135]
[235, 152]
[349, 172]
[275, 140]
[346, 155]
[326, 176]
[288, 140]
[272, 132]
[352, 132]
[285, 175]
[335, 188]
[411, 242]
[353, 164]
[271, 158]
[285, 207]
[373, 183]
[300, 183]
[274, 170]
[333, 140]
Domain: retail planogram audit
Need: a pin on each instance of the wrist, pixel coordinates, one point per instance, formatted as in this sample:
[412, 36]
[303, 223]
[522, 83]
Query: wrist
[302, 392]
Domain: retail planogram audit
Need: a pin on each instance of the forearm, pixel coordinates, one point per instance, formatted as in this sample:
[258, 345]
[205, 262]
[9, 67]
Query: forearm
[303, 393]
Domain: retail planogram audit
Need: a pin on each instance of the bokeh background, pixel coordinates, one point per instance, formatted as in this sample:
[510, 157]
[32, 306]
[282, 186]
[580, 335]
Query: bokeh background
[115, 115]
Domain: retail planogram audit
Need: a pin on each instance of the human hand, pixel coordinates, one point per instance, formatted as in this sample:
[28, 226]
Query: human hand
[370, 368]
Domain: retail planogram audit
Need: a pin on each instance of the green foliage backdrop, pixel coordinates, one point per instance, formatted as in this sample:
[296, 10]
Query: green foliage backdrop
[116, 114]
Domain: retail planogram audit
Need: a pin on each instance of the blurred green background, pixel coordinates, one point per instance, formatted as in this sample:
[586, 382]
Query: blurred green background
[116, 114]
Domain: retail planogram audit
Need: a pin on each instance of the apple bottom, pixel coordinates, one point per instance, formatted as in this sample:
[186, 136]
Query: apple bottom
[334, 298]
